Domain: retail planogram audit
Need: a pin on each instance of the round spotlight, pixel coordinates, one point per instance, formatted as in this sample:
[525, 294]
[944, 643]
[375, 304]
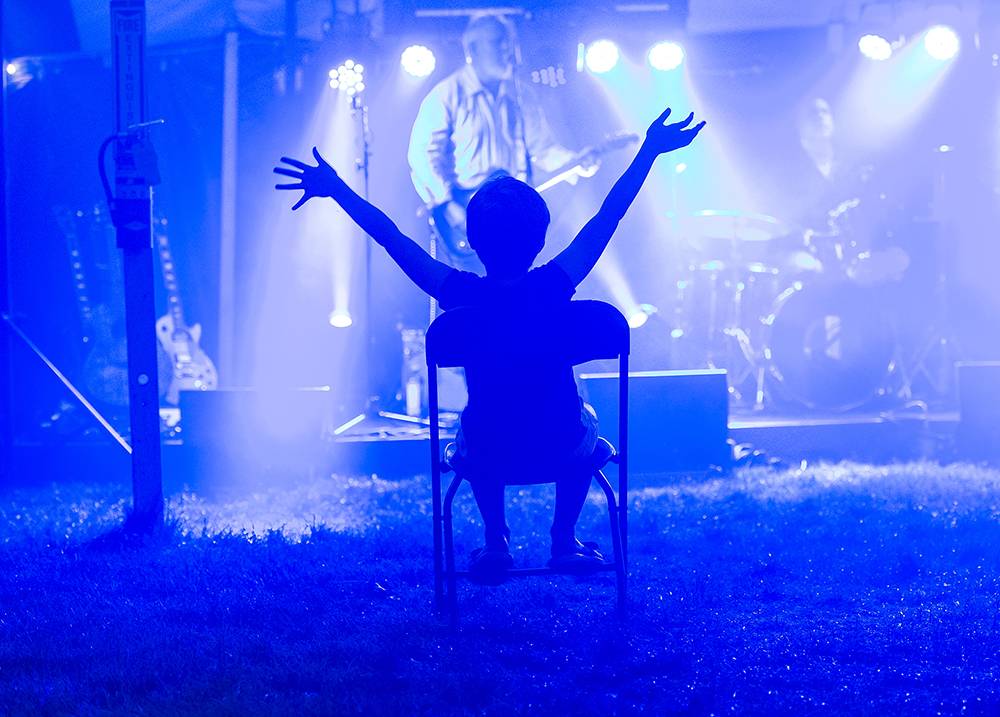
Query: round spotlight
[349, 77]
[640, 315]
[601, 56]
[638, 320]
[665, 56]
[875, 47]
[941, 42]
[340, 319]
[12, 68]
[418, 61]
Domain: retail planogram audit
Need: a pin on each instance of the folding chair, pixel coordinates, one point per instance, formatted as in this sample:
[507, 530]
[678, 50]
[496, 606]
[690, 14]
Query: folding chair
[587, 331]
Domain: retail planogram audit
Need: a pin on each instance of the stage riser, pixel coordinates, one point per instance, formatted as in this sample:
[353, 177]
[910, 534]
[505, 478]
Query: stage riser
[211, 467]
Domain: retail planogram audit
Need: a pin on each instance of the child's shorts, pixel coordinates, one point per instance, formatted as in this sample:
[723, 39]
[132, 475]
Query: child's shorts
[513, 459]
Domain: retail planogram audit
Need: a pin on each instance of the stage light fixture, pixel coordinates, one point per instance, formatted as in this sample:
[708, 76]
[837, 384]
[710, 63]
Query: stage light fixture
[20, 72]
[637, 320]
[340, 319]
[640, 315]
[601, 56]
[418, 61]
[349, 77]
[875, 47]
[665, 56]
[941, 42]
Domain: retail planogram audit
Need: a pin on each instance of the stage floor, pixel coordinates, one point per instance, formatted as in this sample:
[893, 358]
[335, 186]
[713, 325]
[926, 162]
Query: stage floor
[872, 437]
[391, 447]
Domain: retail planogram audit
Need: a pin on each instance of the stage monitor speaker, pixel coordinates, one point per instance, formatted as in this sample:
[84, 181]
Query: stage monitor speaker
[978, 434]
[678, 420]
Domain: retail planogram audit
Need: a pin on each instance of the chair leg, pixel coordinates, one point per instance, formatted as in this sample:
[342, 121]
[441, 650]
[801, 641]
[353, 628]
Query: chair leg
[449, 546]
[616, 537]
[438, 554]
[439, 595]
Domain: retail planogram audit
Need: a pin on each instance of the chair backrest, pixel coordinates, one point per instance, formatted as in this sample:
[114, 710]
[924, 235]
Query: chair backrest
[581, 331]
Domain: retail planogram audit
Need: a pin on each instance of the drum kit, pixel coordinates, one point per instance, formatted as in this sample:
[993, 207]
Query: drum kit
[798, 318]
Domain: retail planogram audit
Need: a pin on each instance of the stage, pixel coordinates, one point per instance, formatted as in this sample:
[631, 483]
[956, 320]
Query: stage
[393, 449]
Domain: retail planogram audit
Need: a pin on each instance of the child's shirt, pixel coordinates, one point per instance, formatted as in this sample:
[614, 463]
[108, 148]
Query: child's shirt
[522, 393]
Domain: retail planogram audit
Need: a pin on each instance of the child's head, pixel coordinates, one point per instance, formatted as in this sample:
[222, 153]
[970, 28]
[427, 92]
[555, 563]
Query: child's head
[506, 222]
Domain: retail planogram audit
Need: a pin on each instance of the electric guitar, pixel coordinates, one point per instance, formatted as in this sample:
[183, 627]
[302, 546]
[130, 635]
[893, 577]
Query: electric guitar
[105, 368]
[448, 219]
[100, 304]
[191, 368]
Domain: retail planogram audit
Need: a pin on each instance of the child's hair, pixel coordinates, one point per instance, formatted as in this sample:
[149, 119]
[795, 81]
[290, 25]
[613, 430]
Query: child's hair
[506, 222]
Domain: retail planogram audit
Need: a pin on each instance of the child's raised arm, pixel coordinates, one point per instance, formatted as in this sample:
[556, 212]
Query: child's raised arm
[323, 181]
[586, 248]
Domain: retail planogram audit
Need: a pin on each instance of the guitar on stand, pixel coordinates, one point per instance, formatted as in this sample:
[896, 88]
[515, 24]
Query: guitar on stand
[96, 274]
[448, 219]
[190, 367]
[105, 360]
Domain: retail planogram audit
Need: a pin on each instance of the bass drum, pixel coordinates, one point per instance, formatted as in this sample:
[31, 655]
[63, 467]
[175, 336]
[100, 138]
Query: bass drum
[831, 346]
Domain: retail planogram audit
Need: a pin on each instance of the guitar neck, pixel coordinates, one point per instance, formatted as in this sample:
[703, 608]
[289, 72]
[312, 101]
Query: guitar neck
[67, 223]
[174, 306]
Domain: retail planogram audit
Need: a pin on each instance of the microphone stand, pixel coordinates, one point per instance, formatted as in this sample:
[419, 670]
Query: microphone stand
[370, 411]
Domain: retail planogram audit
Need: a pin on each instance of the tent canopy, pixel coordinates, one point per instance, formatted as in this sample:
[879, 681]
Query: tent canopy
[177, 21]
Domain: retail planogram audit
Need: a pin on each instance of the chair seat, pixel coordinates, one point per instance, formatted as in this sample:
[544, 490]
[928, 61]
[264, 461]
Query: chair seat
[603, 453]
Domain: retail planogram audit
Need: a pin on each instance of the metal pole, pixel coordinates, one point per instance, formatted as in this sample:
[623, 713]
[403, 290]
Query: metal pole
[227, 230]
[135, 173]
[6, 427]
[363, 164]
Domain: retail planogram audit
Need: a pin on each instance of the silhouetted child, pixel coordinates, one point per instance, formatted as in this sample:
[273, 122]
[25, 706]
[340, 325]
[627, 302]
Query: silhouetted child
[507, 222]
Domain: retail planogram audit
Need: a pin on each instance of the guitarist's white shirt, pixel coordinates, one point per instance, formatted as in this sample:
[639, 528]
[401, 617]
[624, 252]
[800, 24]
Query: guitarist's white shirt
[462, 134]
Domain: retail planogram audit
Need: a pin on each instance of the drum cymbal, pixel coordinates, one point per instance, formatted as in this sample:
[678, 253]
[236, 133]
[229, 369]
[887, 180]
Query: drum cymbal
[728, 224]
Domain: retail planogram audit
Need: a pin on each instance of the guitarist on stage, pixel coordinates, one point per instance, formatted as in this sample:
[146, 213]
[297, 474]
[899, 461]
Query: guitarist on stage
[478, 121]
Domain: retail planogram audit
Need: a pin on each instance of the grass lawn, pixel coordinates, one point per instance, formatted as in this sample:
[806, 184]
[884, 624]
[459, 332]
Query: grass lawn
[839, 589]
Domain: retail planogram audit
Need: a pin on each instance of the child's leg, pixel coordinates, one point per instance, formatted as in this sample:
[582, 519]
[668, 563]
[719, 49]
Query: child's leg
[488, 490]
[489, 494]
[571, 494]
[572, 487]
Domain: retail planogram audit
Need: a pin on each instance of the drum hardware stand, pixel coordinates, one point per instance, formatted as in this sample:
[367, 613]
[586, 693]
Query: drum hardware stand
[753, 363]
[934, 360]
[748, 367]
[717, 349]
[761, 367]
